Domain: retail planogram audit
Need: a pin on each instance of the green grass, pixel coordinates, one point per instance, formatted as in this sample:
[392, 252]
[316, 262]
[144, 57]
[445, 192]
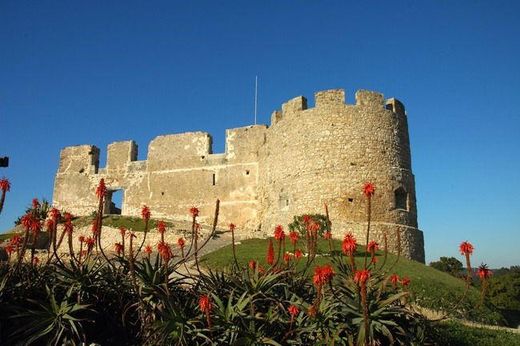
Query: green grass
[430, 288]
[455, 334]
[5, 236]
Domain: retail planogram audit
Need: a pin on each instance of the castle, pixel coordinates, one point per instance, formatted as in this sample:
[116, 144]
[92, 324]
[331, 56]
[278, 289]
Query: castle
[306, 158]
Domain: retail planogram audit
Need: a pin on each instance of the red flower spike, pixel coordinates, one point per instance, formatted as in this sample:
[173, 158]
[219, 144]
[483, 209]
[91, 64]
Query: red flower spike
[270, 253]
[49, 225]
[484, 272]
[298, 254]
[287, 257]
[101, 189]
[164, 251]
[181, 243]
[279, 233]
[55, 214]
[194, 211]
[147, 249]
[122, 231]
[405, 281]
[373, 246]
[5, 185]
[294, 236]
[327, 235]
[322, 275]
[369, 189]
[349, 244]
[161, 227]
[118, 248]
[466, 248]
[232, 227]
[81, 238]
[145, 213]
[361, 276]
[205, 304]
[35, 203]
[293, 311]
[252, 264]
[307, 219]
[394, 279]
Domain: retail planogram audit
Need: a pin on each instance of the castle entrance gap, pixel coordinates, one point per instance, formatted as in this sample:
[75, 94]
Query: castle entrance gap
[114, 202]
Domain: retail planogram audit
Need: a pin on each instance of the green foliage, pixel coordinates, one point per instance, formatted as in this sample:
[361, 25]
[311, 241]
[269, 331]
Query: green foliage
[457, 334]
[449, 265]
[429, 287]
[504, 293]
[298, 223]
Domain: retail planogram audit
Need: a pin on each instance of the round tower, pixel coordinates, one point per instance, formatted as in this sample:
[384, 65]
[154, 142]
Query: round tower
[324, 155]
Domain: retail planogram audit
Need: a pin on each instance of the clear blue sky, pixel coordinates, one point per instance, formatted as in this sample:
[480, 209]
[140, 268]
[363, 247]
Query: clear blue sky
[99, 71]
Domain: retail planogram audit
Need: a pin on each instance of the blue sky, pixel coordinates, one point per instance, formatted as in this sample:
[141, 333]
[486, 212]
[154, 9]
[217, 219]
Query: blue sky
[96, 72]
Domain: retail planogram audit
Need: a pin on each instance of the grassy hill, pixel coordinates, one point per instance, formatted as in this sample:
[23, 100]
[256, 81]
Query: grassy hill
[430, 288]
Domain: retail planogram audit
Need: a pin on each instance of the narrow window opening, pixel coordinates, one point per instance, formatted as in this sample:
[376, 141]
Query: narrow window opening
[351, 200]
[247, 172]
[114, 202]
[401, 199]
[214, 179]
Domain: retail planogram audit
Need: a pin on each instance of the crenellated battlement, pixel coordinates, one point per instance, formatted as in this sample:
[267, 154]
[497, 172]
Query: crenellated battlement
[309, 156]
[334, 99]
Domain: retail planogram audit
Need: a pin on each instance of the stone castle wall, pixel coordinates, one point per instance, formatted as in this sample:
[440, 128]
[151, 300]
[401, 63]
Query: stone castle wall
[307, 157]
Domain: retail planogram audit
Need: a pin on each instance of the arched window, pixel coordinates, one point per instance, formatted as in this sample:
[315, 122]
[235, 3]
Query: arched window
[401, 199]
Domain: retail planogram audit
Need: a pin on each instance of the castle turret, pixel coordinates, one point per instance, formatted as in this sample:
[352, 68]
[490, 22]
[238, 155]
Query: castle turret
[325, 154]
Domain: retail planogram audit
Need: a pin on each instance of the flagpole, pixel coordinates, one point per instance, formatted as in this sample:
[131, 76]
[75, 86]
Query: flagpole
[256, 96]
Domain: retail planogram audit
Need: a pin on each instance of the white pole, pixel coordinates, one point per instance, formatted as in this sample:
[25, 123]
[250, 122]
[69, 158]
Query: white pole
[256, 96]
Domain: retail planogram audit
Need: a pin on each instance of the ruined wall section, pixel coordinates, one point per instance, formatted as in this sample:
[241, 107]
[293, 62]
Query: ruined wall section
[180, 172]
[325, 154]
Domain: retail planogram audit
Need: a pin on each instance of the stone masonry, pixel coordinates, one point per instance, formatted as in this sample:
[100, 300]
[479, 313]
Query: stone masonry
[306, 158]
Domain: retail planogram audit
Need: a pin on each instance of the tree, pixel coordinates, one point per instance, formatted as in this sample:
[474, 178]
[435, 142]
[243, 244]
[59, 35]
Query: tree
[504, 293]
[449, 265]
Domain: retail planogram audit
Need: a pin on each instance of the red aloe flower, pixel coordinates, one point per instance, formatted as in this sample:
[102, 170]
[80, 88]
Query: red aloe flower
[5, 185]
[294, 236]
[287, 257]
[205, 304]
[35, 261]
[298, 254]
[55, 214]
[279, 233]
[293, 311]
[90, 243]
[405, 281]
[118, 248]
[9, 249]
[372, 247]
[361, 276]
[394, 279]
[232, 227]
[148, 250]
[165, 251]
[466, 248]
[145, 213]
[270, 253]
[94, 228]
[484, 272]
[35, 203]
[68, 227]
[49, 225]
[327, 235]
[322, 275]
[349, 244]
[161, 227]
[122, 231]
[27, 221]
[194, 211]
[181, 243]
[369, 189]
[307, 219]
[81, 238]
[101, 189]
[252, 264]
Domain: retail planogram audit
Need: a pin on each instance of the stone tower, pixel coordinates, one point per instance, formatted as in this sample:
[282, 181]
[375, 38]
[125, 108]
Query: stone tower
[306, 158]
